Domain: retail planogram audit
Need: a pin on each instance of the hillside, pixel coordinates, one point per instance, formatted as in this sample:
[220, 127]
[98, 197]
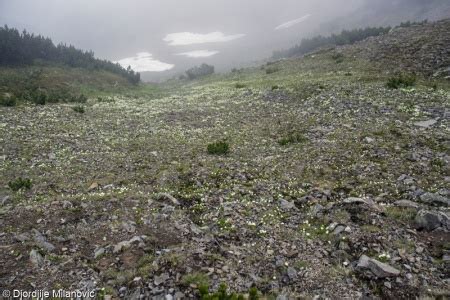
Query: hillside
[308, 177]
[390, 13]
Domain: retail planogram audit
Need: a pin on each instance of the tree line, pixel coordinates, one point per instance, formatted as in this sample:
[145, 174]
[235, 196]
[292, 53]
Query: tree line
[18, 49]
[344, 38]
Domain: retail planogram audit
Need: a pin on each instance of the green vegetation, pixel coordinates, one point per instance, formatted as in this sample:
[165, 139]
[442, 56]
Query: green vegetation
[400, 213]
[197, 279]
[239, 85]
[409, 23]
[200, 71]
[20, 183]
[271, 70]
[21, 49]
[292, 138]
[79, 109]
[222, 294]
[219, 148]
[338, 58]
[401, 81]
[8, 100]
[346, 37]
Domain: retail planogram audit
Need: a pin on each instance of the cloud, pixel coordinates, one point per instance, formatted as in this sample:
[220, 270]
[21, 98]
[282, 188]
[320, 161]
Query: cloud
[199, 53]
[144, 62]
[189, 38]
[292, 22]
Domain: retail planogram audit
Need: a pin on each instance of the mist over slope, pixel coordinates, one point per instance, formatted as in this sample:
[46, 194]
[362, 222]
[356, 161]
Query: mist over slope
[360, 14]
[389, 13]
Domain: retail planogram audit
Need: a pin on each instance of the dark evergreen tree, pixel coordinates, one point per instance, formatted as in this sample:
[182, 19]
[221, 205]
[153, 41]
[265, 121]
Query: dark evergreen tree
[18, 49]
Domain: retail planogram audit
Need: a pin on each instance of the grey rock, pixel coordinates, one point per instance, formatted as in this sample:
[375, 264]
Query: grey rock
[430, 220]
[368, 202]
[292, 273]
[161, 279]
[119, 247]
[426, 124]
[317, 209]
[339, 229]
[36, 258]
[67, 204]
[99, 252]
[167, 209]
[406, 204]
[23, 237]
[42, 242]
[369, 140]
[168, 197]
[179, 295]
[286, 205]
[377, 268]
[129, 227]
[5, 200]
[282, 297]
[168, 297]
[434, 199]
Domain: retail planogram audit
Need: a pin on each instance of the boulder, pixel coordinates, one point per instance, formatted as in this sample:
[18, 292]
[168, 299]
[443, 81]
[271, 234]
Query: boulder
[434, 199]
[430, 220]
[377, 268]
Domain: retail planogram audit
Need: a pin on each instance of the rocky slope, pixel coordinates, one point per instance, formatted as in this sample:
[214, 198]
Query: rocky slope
[335, 186]
[423, 49]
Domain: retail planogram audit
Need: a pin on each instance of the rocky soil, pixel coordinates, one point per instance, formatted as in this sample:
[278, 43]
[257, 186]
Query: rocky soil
[335, 186]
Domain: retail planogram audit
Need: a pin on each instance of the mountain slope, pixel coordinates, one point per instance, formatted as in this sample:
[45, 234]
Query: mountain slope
[334, 185]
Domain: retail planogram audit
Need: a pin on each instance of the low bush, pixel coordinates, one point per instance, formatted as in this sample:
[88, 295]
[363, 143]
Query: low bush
[401, 81]
[338, 58]
[20, 183]
[219, 148]
[39, 97]
[79, 109]
[200, 71]
[292, 138]
[239, 85]
[8, 100]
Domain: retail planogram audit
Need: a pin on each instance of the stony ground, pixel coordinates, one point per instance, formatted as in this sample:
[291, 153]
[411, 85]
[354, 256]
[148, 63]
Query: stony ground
[335, 186]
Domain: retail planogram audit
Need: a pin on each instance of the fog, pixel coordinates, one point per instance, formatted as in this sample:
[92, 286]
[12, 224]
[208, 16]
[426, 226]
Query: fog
[168, 36]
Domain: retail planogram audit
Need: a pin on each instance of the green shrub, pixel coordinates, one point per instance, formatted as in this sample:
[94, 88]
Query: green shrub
[239, 85]
[275, 87]
[401, 81]
[8, 100]
[219, 148]
[292, 138]
[79, 109]
[39, 97]
[19, 184]
[200, 71]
